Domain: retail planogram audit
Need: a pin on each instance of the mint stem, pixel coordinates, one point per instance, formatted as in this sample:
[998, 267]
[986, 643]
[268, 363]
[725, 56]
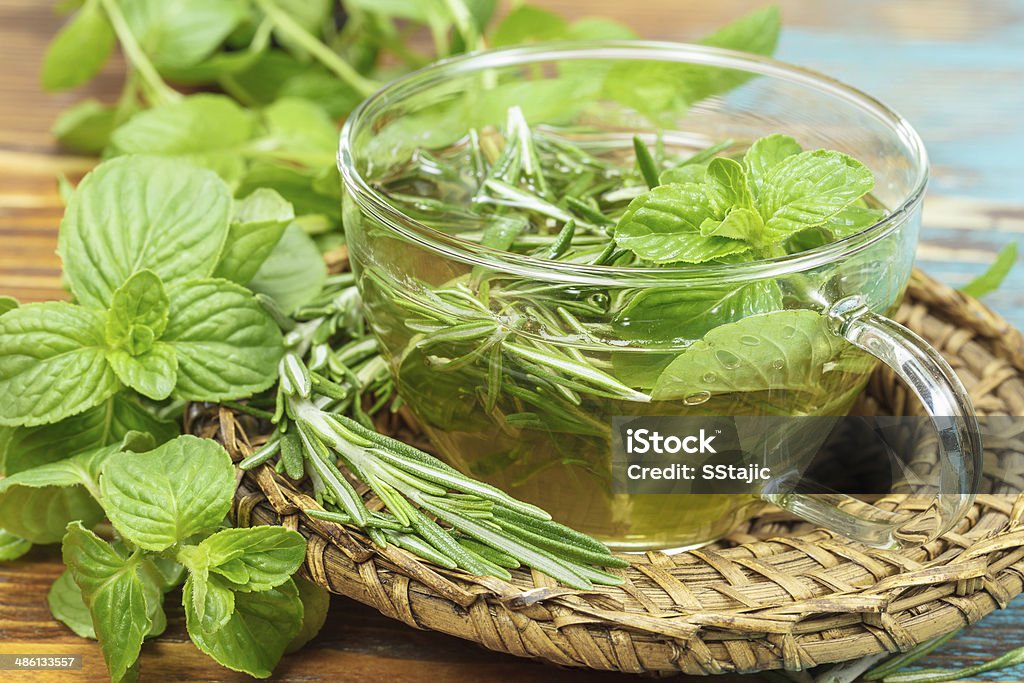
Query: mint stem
[160, 91]
[330, 59]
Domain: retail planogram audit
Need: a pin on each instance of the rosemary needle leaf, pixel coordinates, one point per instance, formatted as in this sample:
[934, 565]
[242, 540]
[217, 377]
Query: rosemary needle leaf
[444, 543]
[566, 551]
[319, 460]
[528, 555]
[492, 568]
[416, 546]
[563, 241]
[646, 163]
[601, 578]
[407, 457]
[588, 211]
[490, 554]
[328, 516]
[263, 453]
[551, 529]
[1011, 658]
[291, 455]
[465, 332]
[459, 482]
[579, 370]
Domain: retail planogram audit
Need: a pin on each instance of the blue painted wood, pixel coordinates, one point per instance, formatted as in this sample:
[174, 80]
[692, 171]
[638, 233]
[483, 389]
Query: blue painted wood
[997, 633]
[964, 92]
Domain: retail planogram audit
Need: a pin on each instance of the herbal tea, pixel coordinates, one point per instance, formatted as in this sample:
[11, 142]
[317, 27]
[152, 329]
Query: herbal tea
[517, 380]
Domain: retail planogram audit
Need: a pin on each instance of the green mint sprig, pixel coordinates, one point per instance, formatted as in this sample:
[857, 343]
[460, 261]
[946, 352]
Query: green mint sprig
[745, 210]
[139, 241]
[167, 506]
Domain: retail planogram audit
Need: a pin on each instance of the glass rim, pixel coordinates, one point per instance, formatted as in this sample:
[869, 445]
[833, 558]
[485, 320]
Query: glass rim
[547, 270]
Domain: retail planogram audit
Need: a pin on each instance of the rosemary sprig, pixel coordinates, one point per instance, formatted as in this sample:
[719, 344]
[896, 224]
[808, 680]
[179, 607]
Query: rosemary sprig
[321, 423]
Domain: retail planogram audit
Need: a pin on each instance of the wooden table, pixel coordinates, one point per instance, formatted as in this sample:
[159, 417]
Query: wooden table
[954, 68]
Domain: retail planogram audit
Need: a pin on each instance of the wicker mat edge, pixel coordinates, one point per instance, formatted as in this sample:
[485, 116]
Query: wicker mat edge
[777, 594]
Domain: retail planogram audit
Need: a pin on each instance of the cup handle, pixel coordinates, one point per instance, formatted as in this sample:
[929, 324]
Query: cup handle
[949, 407]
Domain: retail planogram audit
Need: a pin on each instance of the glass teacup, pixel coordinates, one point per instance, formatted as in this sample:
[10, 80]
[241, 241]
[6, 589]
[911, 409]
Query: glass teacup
[468, 328]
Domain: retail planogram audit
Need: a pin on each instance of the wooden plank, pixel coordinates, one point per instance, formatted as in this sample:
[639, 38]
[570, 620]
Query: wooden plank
[357, 644]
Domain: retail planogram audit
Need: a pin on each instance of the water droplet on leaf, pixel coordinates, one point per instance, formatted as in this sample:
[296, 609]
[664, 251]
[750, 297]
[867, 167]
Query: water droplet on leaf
[728, 359]
[697, 398]
[710, 377]
[749, 340]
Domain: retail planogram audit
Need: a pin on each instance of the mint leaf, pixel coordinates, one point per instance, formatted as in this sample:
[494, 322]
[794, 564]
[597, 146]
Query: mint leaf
[660, 90]
[257, 558]
[599, 28]
[663, 226]
[296, 185]
[210, 600]
[528, 24]
[991, 279]
[7, 303]
[416, 10]
[139, 213]
[183, 32]
[152, 373]
[851, 220]
[691, 312]
[765, 154]
[681, 175]
[300, 131]
[807, 189]
[777, 351]
[52, 363]
[167, 572]
[85, 126]
[68, 606]
[739, 224]
[316, 601]
[294, 273]
[255, 637]
[757, 33]
[206, 130]
[159, 498]
[138, 313]
[258, 223]
[226, 344]
[106, 424]
[113, 593]
[40, 514]
[725, 183]
[37, 504]
[153, 590]
[12, 547]
[82, 469]
[79, 50]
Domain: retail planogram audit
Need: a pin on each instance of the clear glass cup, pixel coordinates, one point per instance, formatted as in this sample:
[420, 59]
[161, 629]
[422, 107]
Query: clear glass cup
[421, 274]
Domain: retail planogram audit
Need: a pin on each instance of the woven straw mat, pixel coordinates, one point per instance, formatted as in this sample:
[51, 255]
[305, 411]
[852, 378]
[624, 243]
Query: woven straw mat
[777, 593]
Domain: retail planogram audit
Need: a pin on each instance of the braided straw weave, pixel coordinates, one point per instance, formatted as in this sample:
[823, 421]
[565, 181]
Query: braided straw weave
[777, 593]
